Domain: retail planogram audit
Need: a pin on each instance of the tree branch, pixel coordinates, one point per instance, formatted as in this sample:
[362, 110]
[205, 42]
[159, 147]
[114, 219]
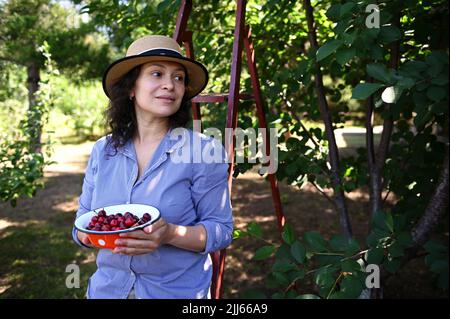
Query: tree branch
[325, 194]
[435, 209]
[326, 117]
[377, 166]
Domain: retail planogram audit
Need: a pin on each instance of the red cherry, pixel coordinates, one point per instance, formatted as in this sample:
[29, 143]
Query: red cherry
[129, 222]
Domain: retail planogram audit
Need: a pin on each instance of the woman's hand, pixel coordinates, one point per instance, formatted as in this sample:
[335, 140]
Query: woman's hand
[145, 241]
[83, 237]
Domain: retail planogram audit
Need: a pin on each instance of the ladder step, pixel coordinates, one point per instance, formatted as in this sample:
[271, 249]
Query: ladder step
[219, 97]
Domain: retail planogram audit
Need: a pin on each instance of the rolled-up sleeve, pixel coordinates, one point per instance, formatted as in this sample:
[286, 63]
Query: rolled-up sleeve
[212, 201]
[84, 202]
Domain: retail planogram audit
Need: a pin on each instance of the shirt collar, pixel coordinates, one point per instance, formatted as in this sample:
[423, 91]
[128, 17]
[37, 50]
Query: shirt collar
[169, 143]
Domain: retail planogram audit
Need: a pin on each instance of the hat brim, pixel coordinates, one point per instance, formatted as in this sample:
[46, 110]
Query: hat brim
[197, 73]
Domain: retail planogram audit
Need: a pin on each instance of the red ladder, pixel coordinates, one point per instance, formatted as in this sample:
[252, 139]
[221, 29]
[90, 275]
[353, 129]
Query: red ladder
[242, 35]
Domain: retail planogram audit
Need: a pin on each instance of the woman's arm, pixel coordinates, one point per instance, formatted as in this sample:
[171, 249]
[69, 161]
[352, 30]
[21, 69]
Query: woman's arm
[188, 237]
[145, 241]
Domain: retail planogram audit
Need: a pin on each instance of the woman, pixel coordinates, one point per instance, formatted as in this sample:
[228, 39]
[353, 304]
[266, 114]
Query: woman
[150, 91]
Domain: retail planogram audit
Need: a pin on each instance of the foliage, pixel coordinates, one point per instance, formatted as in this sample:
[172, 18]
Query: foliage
[357, 64]
[75, 46]
[83, 117]
[413, 96]
[21, 168]
[339, 266]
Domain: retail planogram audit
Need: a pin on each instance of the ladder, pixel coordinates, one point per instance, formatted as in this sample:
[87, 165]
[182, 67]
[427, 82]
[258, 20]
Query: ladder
[242, 37]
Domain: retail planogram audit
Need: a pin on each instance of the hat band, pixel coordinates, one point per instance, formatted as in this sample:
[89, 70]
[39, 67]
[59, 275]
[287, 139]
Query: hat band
[160, 51]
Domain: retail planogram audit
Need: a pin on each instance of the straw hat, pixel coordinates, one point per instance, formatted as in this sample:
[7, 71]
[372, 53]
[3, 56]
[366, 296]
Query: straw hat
[156, 48]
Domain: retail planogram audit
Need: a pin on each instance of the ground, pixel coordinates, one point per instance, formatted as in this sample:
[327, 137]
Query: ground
[36, 245]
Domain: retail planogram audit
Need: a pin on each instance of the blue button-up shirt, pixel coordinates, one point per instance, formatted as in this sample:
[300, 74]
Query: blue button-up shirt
[187, 192]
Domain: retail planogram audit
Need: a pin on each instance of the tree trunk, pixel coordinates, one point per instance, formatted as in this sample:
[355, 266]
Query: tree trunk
[436, 208]
[34, 117]
[340, 200]
[377, 161]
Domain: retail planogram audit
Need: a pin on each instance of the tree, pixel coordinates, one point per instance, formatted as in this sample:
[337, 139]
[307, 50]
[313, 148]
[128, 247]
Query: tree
[327, 63]
[400, 77]
[25, 25]
[30, 33]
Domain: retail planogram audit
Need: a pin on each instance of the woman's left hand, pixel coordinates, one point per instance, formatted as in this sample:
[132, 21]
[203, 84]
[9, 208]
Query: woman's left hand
[144, 241]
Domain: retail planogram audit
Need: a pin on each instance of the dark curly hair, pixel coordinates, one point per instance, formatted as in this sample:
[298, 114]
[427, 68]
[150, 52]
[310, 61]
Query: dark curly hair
[121, 115]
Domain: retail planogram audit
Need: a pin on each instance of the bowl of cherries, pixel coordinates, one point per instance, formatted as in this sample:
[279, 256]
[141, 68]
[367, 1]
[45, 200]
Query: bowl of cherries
[104, 225]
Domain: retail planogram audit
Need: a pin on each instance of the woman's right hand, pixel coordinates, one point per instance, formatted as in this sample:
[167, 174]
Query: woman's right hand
[83, 237]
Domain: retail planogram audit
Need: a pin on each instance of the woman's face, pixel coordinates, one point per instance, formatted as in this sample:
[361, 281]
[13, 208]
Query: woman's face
[159, 88]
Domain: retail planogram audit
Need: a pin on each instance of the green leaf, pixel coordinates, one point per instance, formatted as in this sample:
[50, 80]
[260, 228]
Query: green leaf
[351, 286]
[298, 251]
[254, 229]
[375, 256]
[281, 278]
[315, 241]
[338, 295]
[396, 250]
[376, 52]
[296, 274]
[343, 55]
[406, 82]
[264, 252]
[278, 295]
[254, 294]
[349, 38]
[350, 265]
[413, 69]
[328, 48]
[436, 93]
[163, 5]
[389, 34]
[283, 266]
[435, 63]
[333, 12]
[422, 118]
[237, 233]
[441, 79]
[363, 90]
[271, 281]
[383, 221]
[346, 8]
[288, 234]
[341, 243]
[284, 252]
[379, 72]
[376, 236]
[325, 278]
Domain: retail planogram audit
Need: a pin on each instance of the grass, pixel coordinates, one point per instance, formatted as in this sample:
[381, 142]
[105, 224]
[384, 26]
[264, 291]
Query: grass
[36, 245]
[34, 260]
